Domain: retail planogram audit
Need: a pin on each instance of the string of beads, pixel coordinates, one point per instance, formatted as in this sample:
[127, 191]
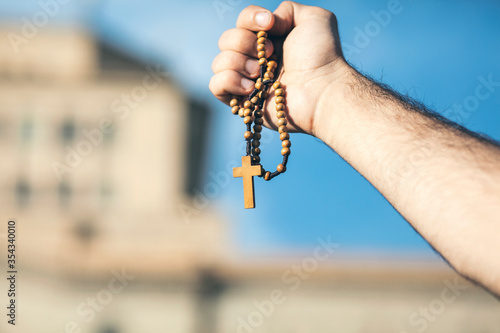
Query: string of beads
[251, 112]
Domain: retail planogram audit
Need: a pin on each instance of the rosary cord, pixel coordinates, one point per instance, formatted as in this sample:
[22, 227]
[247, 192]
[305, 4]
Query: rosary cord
[252, 110]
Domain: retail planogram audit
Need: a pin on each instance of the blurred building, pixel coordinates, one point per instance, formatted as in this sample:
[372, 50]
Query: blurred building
[102, 155]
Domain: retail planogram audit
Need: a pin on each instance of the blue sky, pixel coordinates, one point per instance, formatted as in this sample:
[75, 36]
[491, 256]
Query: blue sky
[436, 51]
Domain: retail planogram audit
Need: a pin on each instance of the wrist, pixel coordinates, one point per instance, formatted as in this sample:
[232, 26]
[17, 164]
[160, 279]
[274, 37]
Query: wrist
[331, 102]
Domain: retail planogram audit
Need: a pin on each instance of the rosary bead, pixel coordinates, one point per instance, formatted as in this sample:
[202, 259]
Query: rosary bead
[279, 99]
[262, 40]
[286, 144]
[280, 114]
[282, 129]
[255, 100]
[281, 168]
[267, 176]
[272, 64]
[277, 85]
[262, 94]
[258, 114]
[261, 54]
[235, 109]
[257, 136]
[256, 159]
[268, 75]
[259, 121]
[247, 120]
[284, 136]
[285, 151]
[256, 151]
[255, 143]
[248, 135]
[233, 102]
[240, 113]
[282, 121]
[247, 104]
[262, 61]
[257, 128]
[247, 112]
[258, 85]
[261, 47]
[279, 92]
[280, 107]
[262, 34]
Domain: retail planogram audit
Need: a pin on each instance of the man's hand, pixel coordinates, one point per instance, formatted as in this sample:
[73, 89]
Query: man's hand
[312, 59]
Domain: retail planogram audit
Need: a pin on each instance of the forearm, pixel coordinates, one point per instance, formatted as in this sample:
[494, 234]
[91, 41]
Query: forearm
[443, 180]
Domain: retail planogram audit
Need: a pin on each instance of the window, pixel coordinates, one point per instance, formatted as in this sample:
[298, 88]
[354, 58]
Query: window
[68, 131]
[22, 193]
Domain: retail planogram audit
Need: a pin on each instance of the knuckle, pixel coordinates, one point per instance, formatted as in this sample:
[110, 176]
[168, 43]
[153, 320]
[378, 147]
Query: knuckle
[215, 63]
[212, 85]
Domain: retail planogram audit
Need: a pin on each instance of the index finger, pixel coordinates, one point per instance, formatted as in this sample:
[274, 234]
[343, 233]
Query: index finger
[255, 18]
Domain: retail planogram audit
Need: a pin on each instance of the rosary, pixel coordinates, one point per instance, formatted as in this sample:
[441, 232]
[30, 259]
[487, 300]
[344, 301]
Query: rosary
[253, 107]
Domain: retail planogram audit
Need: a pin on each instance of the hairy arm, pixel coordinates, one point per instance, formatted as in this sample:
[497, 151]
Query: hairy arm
[444, 179]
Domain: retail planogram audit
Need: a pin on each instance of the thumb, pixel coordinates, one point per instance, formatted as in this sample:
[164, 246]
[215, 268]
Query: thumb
[290, 14]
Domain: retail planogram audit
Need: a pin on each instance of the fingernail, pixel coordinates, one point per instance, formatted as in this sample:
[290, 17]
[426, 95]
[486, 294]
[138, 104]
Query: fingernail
[246, 83]
[263, 19]
[252, 66]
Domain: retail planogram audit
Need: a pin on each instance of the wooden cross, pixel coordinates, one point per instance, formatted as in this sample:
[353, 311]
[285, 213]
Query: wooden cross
[247, 171]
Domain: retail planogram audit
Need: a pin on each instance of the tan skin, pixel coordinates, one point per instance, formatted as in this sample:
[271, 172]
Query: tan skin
[451, 196]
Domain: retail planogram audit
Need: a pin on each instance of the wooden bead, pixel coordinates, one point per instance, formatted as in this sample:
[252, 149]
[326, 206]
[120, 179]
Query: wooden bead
[280, 107]
[256, 151]
[285, 151]
[247, 104]
[255, 100]
[247, 120]
[268, 76]
[262, 94]
[258, 85]
[279, 99]
[257, 136]
[256, 159]
[248, 135]
[262, 34]
[282, 122]
[277, 85]
[279, 92]
[259, 121]
[262, 40]
[257, 128]
[255, 143]
[235, 109]
[261, 54]
[284, 136]
[258, 114]
[280, 114]
[233, 102]
[261, 47]
[286, 144]
[262, 61]
[282, 129]
[281, 168]
[267, 176]
[240, 112]
[272, 64]
[247, 112]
